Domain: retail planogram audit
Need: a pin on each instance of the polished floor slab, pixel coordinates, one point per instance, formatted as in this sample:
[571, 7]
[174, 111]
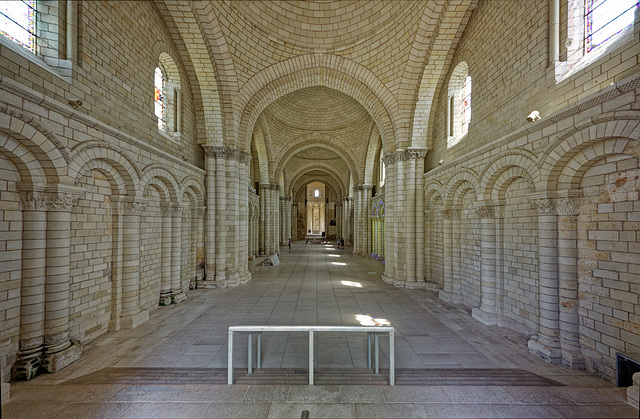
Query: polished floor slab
[313, 285]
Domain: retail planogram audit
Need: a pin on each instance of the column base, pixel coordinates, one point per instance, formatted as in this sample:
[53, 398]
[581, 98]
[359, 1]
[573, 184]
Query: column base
[165, 300]
[5, 392]
[206, 284]
[56, 361]
[245, 278]
[446, 296]
[387, 279]
[25, 369]
[233, 279]
[178, 298]
[134, 320]
[415, 285]
[573, 360]
[484, 317]
[550, 354]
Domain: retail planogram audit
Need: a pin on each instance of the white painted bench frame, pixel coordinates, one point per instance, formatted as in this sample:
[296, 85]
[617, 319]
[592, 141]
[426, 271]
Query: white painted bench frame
[370, 330]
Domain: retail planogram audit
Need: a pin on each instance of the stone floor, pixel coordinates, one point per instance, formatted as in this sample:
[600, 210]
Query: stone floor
[314, 284]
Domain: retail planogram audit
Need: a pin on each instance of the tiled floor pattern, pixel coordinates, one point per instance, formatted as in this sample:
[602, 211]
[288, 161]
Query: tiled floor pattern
[314, 284]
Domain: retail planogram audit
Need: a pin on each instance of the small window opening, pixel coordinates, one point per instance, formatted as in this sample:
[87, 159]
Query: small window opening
[159, 97]
[18, 23]
[316, 193]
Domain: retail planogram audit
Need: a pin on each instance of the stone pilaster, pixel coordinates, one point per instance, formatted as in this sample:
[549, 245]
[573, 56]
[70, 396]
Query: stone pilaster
[59, 349]
[275, 193]
[366, 221]
[132, 315]
[547, 343]
[232, 222]
[200, 214]
[34, 245]
[391, 259]
[262, 238]
[243, 208]
[568, 210]
[210, 220]
[166, 270]
[177, 293]
[486, 313]
[451, 286]
[221, 213]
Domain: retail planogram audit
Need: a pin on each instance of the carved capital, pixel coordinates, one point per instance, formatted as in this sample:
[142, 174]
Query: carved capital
[61, 201]
[567, 206]
[244, 157]
[450, 214]
[544, 206]
[33, 200]
[209, 151]
[415, 154]
[134, 208]
[165, 210]
[486, 211]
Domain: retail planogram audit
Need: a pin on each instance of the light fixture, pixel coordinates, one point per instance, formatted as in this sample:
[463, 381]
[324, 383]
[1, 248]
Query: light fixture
[74, 103]
[533, 116]
[441, 161]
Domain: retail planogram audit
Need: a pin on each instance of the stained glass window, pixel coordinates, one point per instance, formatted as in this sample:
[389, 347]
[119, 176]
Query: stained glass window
[159, 97]
[606, 18]
[18, 22]
[465, 105]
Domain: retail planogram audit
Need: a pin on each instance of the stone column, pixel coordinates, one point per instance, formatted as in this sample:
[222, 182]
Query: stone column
[221, 215]
[243, 204]
[262, 239]
[366, 221]
[357, 218]
[210, 222]
[448, 293]
[132, 315]
[282, 229]
[59, 350]
[417, 156]
[374, 236]
[232, 221]
[294, 220]
[547, 343]
[200, 215]
[400, 219]
[568, 209]
[276, 217]
[166, 270]
[486, 313]
[287, 217]
[389, 232]
[32, 286]
[177, 293]
[410, 223]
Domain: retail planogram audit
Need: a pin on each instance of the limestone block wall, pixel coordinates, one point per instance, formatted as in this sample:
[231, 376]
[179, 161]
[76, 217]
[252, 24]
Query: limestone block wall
[101, 214]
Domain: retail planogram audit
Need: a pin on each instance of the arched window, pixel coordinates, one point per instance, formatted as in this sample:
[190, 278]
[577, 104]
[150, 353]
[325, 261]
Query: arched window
[18, 23]
[316, 193]
[458, 104]
[159, 97]
[382, 170]
[606, 18]
[167, 101]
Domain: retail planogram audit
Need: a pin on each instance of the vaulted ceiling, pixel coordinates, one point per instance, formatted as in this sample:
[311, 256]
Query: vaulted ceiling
[316, 87]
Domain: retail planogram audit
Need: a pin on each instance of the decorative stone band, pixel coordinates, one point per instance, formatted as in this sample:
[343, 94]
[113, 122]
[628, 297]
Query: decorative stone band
[560, 206]
[48, 201]
[403, 155]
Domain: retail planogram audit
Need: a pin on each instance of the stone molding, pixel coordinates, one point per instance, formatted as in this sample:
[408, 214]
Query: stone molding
[486, 211]
[568, 206]
[544, 206]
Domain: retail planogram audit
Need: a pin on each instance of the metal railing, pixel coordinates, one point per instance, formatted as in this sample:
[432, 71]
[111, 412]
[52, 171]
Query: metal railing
[251, 330]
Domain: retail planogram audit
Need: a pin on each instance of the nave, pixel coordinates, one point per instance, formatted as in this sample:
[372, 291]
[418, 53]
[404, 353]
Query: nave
[161, 368]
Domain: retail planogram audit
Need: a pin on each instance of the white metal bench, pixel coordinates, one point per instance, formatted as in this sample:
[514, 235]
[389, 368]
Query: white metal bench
[251, 330]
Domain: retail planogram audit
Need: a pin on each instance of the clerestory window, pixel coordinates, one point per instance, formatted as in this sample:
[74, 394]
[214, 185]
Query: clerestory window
[18, 23]
[606, 18]
[159, 97]
[458, 104]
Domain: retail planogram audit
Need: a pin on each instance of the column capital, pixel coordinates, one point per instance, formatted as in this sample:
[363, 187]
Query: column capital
[544, 206]
[415, 153]
[128, 206]
[49, 197]
[451, 213]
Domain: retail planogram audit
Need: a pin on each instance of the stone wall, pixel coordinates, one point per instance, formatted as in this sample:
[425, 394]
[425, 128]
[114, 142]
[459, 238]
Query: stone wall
[552, 248]
[100, 212]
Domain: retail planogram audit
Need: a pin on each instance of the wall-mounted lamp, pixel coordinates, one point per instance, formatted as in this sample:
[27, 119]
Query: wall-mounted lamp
[533, 116]
[441, 161]
[74, 103]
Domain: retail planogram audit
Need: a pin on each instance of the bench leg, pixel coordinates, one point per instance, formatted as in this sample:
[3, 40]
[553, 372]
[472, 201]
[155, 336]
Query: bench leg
[392, 360]
[230, 358]
[259, 352]
[250, 353]
[310, 358]
[377, 357]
